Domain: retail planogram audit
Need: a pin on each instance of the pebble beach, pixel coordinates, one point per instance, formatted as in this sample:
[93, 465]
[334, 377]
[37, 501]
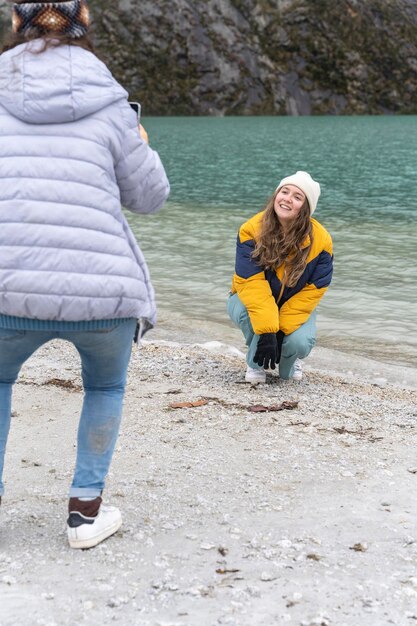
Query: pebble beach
[287, 503]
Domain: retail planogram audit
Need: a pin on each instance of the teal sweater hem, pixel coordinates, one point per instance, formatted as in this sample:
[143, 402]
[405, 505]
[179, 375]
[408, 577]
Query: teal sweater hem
[23, 323]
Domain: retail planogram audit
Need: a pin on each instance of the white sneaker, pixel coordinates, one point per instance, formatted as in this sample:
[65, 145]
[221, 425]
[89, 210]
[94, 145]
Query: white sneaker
[87, 532]
[255, 377]
[298, 370]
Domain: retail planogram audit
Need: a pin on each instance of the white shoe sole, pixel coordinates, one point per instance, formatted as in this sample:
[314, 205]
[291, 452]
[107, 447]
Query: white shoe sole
[255, 382]
[90, 542]
[255, 377]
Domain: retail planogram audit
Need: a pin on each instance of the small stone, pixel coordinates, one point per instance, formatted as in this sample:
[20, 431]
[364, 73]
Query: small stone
[359, 547]
[8, 580]
[317, 621]
[139, 536]
[379, 382]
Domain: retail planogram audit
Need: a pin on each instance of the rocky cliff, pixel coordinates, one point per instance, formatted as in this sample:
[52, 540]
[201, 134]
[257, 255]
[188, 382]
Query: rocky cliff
[290, 57]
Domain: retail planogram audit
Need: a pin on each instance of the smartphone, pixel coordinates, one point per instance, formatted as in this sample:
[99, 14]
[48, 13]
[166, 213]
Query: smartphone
[137, 108]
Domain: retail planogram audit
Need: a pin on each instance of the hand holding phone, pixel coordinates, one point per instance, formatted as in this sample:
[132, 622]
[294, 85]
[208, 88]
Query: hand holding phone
[143, 134]
[137, 108]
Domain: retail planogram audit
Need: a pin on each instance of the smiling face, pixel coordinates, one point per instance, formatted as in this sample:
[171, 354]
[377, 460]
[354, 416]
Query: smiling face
[288, 204]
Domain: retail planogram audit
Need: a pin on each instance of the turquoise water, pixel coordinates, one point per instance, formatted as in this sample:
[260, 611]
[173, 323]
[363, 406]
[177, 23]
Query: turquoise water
[222, 170]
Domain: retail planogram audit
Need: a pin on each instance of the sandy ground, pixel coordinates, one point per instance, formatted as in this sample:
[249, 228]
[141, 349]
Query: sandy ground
[304, 516]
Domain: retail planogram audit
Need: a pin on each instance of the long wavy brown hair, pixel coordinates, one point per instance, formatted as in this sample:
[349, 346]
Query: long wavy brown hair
[49, 41]
[275, 246]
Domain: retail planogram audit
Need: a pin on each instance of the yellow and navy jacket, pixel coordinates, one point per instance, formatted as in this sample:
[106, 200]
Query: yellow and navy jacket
[259, 290]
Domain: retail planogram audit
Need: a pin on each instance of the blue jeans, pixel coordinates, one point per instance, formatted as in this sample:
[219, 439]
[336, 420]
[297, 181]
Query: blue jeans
[105, 358]
[297, 345]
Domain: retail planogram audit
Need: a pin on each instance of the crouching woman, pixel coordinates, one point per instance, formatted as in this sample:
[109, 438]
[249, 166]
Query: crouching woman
[284, 264]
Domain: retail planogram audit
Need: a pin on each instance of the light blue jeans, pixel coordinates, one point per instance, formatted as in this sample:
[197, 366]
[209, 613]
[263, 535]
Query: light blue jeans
[105, 357]
[297, 345]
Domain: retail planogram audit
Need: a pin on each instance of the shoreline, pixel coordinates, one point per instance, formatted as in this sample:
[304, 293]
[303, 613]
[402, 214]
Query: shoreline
[304, 516]
[173, 325]
[349, 365]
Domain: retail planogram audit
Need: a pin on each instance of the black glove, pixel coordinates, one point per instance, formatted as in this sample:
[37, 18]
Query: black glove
[280, 339]
[266, 351]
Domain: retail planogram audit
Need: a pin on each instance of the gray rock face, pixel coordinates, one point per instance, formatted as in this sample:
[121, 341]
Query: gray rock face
[291, 57]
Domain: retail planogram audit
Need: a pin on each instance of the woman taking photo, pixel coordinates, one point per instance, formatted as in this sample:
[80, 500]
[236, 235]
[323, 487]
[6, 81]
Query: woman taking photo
[71, 155]
[284, 264]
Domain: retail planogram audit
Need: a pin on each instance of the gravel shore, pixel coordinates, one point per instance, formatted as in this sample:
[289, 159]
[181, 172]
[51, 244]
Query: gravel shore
[304, 514]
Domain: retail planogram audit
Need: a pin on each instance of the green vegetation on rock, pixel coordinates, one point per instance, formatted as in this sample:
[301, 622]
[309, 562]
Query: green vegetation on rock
[293, 57]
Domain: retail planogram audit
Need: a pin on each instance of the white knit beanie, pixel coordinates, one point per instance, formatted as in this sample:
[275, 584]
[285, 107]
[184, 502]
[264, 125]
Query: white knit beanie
[310, 187]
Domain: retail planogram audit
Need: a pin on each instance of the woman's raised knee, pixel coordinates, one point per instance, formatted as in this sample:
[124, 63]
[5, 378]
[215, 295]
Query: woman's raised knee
[298, 346]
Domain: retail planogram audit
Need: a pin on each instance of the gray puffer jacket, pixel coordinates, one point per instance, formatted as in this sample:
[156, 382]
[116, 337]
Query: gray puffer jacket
[70, 157]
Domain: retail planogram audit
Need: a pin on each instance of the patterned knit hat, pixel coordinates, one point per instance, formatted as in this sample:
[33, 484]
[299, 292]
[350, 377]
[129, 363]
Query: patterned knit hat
[65, 17]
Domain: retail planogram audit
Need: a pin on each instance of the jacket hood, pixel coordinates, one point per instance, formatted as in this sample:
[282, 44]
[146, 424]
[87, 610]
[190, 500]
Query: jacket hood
[58, 85]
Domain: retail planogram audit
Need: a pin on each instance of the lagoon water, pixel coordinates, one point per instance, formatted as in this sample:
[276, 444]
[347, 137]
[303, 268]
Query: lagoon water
[222, 171]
